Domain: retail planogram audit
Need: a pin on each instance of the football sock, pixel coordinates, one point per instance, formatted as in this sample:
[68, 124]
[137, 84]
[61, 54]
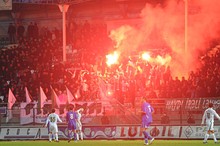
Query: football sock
[56, 137]
[81, 135]
[145, 136]
[69, 134]
[50, 137]
[206, 137]
[214, 137]
[148, 135]
[77, 136]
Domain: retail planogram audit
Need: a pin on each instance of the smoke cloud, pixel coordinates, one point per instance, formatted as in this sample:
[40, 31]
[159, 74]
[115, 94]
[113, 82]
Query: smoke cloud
[163, 27]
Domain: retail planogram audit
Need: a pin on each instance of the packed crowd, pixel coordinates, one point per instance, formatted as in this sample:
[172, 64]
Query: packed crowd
[37, 61]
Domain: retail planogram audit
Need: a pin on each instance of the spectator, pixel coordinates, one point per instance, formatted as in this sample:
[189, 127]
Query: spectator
[30, 30]
[20, 30]
[35, 31]
[165, 119]
[190, 119]
[12, 33]
[104, 119]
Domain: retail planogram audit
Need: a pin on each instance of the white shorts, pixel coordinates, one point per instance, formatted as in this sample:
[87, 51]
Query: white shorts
[53, 129]
[78, 126]
[210, 125]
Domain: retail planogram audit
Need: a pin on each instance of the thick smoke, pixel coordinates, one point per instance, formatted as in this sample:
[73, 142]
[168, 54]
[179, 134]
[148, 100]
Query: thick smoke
[163, 27]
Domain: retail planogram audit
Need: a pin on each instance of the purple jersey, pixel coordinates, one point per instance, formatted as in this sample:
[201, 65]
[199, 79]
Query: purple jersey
[71, 117]
[147, 110]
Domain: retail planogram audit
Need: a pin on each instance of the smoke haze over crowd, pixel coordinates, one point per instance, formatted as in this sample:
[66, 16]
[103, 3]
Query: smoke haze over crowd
[163, 27]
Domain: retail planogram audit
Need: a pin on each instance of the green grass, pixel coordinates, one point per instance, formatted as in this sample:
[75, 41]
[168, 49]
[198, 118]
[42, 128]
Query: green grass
[108, 143]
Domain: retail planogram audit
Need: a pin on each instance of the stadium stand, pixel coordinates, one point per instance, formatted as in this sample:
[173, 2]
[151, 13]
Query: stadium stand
[36, 61]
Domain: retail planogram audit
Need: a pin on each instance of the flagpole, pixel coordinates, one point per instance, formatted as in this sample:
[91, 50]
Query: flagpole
[186, 27]
[64, 8]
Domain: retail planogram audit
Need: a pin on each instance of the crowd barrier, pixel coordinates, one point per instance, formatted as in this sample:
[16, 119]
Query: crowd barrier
[178, 111]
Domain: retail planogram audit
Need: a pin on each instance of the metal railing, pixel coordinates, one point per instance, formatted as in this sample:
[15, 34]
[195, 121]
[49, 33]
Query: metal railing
[114, 113]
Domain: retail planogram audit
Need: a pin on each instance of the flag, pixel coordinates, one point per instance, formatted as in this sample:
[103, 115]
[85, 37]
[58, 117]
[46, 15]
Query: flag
[43, 98]
[5, 4]
[27, 94]
[11, 101]
[28, 105]
[102, 90]
[1, 98]
[77, 94]
[70, 96]
[54, 98]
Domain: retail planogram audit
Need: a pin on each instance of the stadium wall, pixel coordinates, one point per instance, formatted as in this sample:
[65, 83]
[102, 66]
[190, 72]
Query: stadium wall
[108, 132]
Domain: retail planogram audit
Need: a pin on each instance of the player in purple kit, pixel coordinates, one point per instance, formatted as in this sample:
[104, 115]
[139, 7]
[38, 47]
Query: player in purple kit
[71, 118]
[146, 111]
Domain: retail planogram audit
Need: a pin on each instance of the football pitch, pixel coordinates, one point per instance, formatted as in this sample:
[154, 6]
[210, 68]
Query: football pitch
[108, 143]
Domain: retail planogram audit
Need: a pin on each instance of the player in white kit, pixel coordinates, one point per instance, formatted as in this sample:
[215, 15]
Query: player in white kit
[79, 132]
[208, 119]
[52, 119]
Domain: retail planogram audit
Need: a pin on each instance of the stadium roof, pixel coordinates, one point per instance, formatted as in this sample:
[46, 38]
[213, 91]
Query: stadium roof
[50, 1]
[79, 1]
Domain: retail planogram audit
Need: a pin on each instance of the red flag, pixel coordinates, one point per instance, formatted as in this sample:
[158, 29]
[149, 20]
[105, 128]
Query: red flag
[28, 97]
[11, 99]
[54, 98]
[43, 98]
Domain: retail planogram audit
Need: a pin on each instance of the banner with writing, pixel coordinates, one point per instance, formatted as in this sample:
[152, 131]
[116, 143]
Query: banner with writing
[109, 132]
[191, 103]
[29, 114]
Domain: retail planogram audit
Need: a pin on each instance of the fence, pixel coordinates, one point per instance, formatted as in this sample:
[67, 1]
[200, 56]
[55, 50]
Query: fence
[167, 112]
